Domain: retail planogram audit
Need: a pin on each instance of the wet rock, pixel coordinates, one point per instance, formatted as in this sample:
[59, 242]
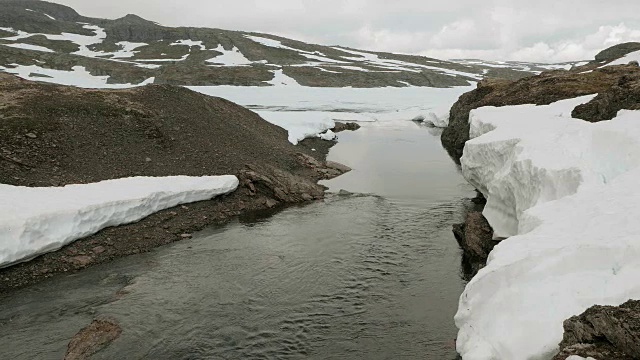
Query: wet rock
[477, 241]
[93, 338]
[279, 186]
[341, 126]
[475, 237]
[186, 236]
[604, 332]
[338, 166]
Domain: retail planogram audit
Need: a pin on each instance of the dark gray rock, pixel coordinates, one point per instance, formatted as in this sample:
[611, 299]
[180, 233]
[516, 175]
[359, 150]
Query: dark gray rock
[475, 237]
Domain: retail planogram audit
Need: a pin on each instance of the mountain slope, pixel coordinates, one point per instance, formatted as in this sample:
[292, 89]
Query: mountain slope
[48, 42]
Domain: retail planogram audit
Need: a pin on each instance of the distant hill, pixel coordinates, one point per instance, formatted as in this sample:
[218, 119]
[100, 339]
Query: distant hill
[52, 42]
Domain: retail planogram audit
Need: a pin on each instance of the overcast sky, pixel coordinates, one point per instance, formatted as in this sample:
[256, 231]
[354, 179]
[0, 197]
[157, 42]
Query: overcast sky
[536, 30]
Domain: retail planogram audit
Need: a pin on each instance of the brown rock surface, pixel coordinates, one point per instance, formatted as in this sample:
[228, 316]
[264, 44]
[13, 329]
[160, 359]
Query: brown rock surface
[93, 338]
[604, 333]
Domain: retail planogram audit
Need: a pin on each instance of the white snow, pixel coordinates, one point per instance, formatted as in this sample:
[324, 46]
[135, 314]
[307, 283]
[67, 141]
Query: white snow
[127, 50]
[29, 47]
[308, 112]
[634, 56]
[356, 68]
[83, 41]
[328, 135]
[280, 79]
[397, 65]
[278, 44]
[231, 57]
[190, 43]
[183, 58]
[34, 221]
[49, 16]
[566, 193]
[78, 76]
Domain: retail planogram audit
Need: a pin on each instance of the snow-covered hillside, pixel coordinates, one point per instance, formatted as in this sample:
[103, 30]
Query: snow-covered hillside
[565, 192]
[34, 221]
[132, 50]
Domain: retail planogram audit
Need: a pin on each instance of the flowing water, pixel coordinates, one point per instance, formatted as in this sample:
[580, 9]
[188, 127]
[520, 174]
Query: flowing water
[369, 275]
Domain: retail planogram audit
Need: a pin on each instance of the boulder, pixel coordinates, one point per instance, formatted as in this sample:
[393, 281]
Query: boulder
[603, 332]
[93, 338]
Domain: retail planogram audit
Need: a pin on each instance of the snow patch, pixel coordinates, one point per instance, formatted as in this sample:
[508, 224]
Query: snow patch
[231, 57]
[78, 76]
[280, 79]
[189, 43]
[34, 221]
[566, 193]
[29, 47]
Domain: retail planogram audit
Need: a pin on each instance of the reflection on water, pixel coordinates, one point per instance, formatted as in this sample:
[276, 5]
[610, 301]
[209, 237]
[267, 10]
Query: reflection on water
[355, 277]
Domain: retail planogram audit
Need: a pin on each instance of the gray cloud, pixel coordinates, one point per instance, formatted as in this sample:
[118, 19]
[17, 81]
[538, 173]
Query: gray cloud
[541, 30]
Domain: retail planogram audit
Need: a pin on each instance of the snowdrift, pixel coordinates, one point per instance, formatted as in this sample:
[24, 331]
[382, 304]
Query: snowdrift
[34, 221]
[565, 192]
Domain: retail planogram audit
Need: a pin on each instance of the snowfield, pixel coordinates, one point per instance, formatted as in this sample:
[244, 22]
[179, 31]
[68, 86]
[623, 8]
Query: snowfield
[308, 112]
[34, 221]
[566, 193]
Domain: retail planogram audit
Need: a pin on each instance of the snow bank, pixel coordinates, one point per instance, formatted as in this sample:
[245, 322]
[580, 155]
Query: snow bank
[634, 56]
[566, 192]
[34, 221]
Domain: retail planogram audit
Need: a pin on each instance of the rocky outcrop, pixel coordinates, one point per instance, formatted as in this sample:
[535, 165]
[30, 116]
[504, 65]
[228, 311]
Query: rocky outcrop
[93, 338]
[617, 84]
[625, 94]
[603, 333]
[617, 51]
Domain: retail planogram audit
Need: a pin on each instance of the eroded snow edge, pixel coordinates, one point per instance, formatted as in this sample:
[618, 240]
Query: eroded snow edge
[34, 221]
[565, 193]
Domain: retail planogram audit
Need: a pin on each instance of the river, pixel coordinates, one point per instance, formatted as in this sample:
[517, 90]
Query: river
[371, 273]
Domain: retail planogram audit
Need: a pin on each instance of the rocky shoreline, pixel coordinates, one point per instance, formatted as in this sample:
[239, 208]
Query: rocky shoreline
[601, 332]
[57, 135]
